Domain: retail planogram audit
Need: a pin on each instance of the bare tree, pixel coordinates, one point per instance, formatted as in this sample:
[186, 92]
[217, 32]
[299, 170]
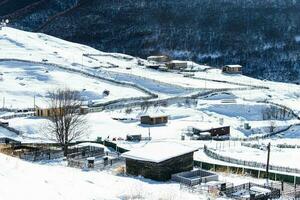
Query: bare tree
[66, 124]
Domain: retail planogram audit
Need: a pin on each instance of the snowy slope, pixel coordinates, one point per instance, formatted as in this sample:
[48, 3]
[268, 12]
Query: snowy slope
[56, 181]
[32, 63]
[24, 81]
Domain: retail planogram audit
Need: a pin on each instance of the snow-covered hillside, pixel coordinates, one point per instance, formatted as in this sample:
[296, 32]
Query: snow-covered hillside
[56, 181]
[33, 63]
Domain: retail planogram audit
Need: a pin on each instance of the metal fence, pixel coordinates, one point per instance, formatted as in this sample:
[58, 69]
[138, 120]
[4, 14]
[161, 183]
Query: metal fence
[254, 164]
[41, 155]
[15, 115]
[195, 177]
[101, 161]
[273, 194]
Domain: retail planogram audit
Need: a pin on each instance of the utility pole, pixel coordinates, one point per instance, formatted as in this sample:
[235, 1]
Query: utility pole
[268, 162]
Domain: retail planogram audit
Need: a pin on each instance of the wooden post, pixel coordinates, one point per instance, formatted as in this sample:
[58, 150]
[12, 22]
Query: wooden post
[268, 162]
[258, 174]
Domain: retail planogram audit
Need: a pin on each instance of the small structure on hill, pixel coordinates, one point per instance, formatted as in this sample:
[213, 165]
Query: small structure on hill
[135, 138]
[83, 110]
[158, 161]
[155, 66]
[154, 119]
[211, 133]
[232, 69]
[3, 23]
[4, 123]
[159, 59]
[46, 112]
[106, 92]
[177, 64]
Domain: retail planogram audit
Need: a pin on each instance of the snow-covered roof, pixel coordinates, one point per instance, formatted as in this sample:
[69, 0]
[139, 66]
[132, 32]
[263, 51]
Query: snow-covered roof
[161, 56]
[179, 61]
[207, 126]
[205, 133]
[155, 115]
[91, 144]
[159, 151]
[233, 66]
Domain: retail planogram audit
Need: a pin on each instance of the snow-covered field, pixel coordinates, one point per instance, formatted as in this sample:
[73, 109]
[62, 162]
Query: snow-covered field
[24, 81]
[33, 63]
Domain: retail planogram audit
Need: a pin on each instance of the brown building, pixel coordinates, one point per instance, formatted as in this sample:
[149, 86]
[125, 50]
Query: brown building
[213, 132]
[232, 69]
[48, 112]
[154, 120]
[158, 161]
[45, 112]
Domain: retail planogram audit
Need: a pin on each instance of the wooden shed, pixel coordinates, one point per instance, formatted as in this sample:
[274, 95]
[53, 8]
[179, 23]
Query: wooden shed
[158, 161]
[45, 112]
[213, 132]
[49, 112]
[232, 69]
[154, 119]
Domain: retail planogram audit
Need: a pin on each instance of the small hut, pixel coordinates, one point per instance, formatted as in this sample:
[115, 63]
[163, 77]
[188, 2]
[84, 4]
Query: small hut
[158, 161]
[209, 133]
[232, 69]
[45, 112]
[49, 112]
[154, 119]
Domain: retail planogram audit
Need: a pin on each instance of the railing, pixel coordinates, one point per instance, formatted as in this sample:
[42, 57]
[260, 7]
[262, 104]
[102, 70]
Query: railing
[232, 83]
[254, 164]
[15, 115]
[42, 155]
[195, 177]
